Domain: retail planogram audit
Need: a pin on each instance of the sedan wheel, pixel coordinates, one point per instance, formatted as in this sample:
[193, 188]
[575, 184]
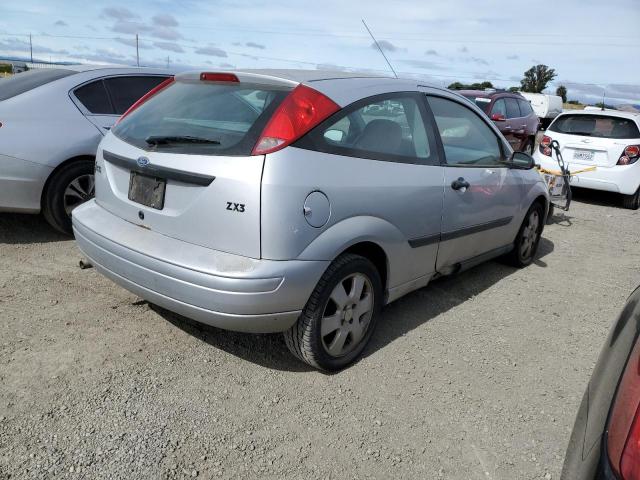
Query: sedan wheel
[526, 243]
[78, 191]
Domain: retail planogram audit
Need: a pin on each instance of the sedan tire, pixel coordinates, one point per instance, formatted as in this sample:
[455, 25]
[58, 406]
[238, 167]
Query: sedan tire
[69, 187]
[340, 316]
[632, 201]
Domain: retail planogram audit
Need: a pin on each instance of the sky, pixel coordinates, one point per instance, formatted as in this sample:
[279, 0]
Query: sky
[593, 45]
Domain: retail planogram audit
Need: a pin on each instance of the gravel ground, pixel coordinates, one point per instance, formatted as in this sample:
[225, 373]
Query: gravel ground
[477, 376]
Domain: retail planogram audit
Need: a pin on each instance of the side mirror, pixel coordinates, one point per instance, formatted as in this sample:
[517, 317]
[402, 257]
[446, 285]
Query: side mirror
[498, 117]
[334, 135]
[522, 160]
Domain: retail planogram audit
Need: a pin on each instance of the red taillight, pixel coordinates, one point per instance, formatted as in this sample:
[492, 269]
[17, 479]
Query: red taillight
[218, 77]
[623, 435]
[630, 155]
[147, 96]
[299, 112]
[545, 146]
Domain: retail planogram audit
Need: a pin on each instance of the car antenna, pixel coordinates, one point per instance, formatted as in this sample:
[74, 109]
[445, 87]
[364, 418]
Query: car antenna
[378, 45]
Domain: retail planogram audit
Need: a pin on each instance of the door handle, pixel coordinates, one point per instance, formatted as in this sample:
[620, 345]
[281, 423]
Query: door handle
[459, 184]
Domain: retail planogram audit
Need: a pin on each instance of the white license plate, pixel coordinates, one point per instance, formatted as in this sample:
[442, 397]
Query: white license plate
[585, 155]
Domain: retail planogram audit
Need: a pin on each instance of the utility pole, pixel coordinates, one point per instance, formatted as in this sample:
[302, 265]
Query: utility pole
[168, 61]
[137, 52]
[31, 48]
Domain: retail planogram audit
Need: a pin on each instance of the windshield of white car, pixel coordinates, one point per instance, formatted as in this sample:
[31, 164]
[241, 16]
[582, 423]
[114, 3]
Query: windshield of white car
[601, 126]
[25, 81]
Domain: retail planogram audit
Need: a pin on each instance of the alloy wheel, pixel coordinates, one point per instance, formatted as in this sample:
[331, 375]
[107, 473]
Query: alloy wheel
[530, 235]
[347, 315]
[80, 190]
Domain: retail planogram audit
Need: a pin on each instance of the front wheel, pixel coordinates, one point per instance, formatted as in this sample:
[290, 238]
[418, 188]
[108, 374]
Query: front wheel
[339, 317]
[526, 243]
[632, 201]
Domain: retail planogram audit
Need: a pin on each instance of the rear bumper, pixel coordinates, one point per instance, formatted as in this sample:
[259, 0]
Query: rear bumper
[217, 288]
[21, 184]
[620, 178]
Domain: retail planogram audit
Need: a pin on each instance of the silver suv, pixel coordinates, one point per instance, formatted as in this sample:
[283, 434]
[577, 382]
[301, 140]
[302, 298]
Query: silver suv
[302, 202]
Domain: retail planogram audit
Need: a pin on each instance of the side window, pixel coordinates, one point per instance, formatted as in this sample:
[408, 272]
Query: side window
[466, 138]
[500, 108]
[513, 111]
[95, 98]
[125, 91]
[525, 108]
[390, 129]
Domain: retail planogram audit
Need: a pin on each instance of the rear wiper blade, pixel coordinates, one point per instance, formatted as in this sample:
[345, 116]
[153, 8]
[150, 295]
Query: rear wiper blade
[168, 139]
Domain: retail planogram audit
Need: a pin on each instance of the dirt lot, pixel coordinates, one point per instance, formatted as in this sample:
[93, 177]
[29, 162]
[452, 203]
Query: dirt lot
[477, 376]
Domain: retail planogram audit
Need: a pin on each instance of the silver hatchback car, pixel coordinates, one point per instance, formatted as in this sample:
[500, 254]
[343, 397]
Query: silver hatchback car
[302, 202]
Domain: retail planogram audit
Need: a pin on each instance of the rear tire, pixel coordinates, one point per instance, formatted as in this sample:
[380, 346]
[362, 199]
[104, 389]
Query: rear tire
[632, 201]
[69, 187]
[526, 243]
[340, 315]
[550, 214]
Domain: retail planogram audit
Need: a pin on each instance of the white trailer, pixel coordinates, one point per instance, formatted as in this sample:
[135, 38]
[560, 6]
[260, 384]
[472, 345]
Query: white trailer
[546, 107]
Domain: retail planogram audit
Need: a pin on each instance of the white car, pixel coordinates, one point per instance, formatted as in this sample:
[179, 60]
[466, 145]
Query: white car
[608, 140]
[51, 122]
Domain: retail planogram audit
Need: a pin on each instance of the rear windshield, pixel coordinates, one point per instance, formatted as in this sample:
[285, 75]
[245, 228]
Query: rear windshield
[202, 118]
[603, 126]
[482, 102]
[25, 81]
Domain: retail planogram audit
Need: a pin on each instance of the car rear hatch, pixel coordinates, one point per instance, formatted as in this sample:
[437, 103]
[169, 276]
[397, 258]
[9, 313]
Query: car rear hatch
[180, 161]
[593, 140]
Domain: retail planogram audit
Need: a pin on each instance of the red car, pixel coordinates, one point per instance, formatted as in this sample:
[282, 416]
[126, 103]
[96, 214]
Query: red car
[511, 113]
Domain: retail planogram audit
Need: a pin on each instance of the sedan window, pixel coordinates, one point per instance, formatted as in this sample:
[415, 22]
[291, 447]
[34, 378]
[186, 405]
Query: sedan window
[500, 108]
[126, 90]
[466, 138]
[95, 98]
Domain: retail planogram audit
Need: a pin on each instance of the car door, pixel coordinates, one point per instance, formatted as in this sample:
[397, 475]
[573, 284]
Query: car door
[481, 194]
[517, 124]
[378, 162]
[104, 100]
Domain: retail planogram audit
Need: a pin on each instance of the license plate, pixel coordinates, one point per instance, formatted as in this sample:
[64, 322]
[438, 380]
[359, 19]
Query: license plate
[583, 155]
[146, 190]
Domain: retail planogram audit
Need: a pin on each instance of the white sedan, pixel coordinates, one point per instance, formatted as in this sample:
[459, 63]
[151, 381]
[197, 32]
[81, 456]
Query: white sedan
[606, 139]
[51, 122]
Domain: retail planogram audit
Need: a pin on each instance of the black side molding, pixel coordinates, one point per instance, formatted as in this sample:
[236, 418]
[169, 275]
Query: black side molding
[441, 237]
[501, 222]
[423, 241]
[158, 171]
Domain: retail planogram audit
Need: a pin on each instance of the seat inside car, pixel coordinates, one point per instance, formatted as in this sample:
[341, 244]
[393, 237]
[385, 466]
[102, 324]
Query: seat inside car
[380, 136]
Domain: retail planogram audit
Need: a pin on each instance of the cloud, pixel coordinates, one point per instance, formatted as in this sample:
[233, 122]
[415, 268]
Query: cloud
[102, 55]
[60, 23]
[164, 20]
[237, 44]
[463, 49]
[16, 45]
[227, 65]
[512, 57]
[129, 27]
[386, 45]
[131, 42]
[479, 61]
[255, 45]
[431, 52]
[424, 64]
[170, 46]
[211, 51]
[118, 13]
[165, 33]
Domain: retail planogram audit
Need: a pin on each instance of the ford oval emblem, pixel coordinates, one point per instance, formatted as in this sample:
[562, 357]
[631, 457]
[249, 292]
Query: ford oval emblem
[142, 161]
